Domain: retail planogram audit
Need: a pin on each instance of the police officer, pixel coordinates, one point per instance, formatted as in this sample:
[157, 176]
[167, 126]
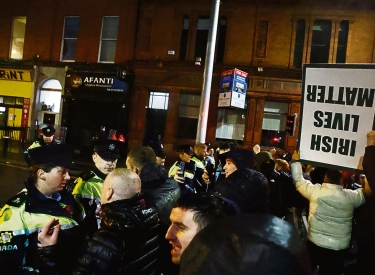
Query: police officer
[88, 186]
[44, 198]
[183, 170]
[46, 139]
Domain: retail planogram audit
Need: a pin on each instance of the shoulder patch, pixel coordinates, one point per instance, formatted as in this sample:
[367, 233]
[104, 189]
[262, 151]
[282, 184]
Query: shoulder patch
[87, 175]
[18, 199]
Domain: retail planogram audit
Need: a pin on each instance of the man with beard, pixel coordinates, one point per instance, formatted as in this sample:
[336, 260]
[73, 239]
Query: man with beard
[88, 186]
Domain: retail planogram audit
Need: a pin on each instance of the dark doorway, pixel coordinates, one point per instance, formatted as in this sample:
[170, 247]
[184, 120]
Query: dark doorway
[85, 117]
[155, 125]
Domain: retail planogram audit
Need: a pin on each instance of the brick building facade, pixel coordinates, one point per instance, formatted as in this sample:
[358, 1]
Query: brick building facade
[158, 45]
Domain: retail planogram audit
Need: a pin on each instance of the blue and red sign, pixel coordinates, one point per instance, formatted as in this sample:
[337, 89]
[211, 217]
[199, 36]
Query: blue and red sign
[233, 88]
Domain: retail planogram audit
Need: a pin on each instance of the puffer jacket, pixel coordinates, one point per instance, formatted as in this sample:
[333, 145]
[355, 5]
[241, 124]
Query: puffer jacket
[256, 244]
[159, 190]
[126, 243]
[330, 212]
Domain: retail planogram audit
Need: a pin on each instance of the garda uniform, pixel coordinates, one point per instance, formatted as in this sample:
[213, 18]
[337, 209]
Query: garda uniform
[25, 215]
[48, 132]
[88, 186]
[189, 185]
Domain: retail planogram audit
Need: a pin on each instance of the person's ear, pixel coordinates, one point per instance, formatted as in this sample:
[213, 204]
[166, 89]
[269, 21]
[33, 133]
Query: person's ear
[136, 170]
[109, 193]
[94, 156]
[41, 174]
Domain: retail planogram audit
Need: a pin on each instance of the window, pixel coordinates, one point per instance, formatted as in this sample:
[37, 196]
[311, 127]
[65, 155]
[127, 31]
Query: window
[108, 40]
[184, 38]
[18, 37]
[321, 38]
[222, 33]
[69, 43]
[274, 124]
[188, 115]
[298, 47]
[231, 124]
[343, 40]
[201, 38]
[158, 100]
[156, 117]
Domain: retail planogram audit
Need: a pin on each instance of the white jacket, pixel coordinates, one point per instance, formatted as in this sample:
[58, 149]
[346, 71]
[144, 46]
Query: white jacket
[331, 210]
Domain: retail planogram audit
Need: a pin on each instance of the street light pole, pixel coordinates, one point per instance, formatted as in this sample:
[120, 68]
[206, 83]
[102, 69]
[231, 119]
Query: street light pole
[207, 76]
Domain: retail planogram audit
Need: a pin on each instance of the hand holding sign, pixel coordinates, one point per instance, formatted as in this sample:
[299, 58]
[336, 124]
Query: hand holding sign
[371, 138]
[296, 156]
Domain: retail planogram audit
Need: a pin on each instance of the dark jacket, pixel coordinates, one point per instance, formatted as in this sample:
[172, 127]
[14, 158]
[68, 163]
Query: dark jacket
[246, 189]
[126, 243]
[161, 192]
[283, 193]
[256, 244]
[364, 228]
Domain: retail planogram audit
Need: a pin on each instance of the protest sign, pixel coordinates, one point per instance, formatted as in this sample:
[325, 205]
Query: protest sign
[337, 110]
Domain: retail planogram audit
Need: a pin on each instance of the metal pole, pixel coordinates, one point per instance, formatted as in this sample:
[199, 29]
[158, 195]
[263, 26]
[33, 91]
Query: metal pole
[207, 76]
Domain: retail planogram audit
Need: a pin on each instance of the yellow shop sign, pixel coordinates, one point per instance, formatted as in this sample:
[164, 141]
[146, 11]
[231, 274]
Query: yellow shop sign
[15, 75]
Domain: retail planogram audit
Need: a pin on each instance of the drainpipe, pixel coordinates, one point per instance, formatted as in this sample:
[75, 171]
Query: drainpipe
[207, 75]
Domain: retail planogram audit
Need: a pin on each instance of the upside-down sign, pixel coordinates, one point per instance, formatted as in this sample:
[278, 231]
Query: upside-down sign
[337, 111]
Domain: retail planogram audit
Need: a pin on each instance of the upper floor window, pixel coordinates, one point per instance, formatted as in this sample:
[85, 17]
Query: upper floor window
[108, 39]
[201, 38]
[321, 38]
[221, 36]
[298, 47]
[18, 37]
[69, 43]
[184, 38]
[343, 41]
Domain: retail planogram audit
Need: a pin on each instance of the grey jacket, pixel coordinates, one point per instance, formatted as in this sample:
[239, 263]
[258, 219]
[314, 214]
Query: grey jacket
[331, 210]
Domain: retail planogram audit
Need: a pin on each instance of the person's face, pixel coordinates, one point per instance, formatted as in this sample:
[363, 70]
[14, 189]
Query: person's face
[181, 232]
[55, 180]
[185, 157]
[104, 166]
[160, 161]
[229, 167]
[202, 153]
[47, 140]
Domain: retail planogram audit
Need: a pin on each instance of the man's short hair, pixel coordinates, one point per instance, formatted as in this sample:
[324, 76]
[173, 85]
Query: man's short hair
[142, 156]
[206, 208]
[334, 176]
[199, 146]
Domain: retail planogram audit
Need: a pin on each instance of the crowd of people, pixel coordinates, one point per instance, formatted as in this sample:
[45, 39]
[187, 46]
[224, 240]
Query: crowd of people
[224, 210]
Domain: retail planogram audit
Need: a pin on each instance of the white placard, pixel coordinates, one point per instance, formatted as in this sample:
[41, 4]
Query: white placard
[337, 112]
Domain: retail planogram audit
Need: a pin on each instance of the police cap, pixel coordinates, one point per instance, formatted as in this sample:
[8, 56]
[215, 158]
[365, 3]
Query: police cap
[107, 149]
[158, 149]
[58, 154]
[48, 131]
[185, 148]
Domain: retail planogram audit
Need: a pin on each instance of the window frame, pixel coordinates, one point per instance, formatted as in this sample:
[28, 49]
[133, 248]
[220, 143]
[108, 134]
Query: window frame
[68, 38]
[17, 37]
[108, 39]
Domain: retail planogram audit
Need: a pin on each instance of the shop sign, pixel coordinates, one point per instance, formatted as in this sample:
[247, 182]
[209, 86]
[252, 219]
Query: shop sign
[94, 81]
[15, 75]
[337, 110]
[233, 88]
